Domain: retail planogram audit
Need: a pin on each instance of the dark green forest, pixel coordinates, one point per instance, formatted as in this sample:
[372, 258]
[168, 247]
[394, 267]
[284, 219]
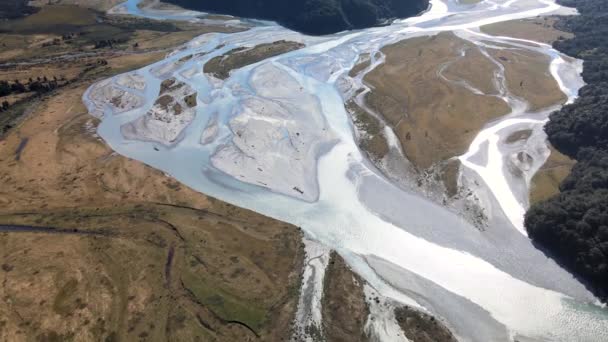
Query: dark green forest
[573, 226]
[313, 16]
[11, 9]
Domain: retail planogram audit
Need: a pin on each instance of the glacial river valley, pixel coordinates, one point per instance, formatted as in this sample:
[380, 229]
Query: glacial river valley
[285, 117]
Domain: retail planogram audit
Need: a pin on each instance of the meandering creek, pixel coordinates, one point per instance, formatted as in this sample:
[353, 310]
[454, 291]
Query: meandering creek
[490, 285]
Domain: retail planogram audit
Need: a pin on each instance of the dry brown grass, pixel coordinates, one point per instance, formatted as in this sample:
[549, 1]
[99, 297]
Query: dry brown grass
[62, 160]
[100, 5]
[76, 60]
[221, 66]
[14, 45]
[161, 40]
[528, 77]
[345, 310]
[434, 119]
[372, 141]
[54, 15]
[474, 69]
[539, 29]
[519, 135]
[363, 63]
[41, 35]
[450, 172]
[105, 275]
[148, 271]
[545, 183]
[69, 70]
[229, 265]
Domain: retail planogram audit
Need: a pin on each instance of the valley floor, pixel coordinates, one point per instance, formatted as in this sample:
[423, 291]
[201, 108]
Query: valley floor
[96, 246]
[100, 246]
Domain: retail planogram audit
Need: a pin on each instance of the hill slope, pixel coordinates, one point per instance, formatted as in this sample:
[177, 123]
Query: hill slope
[313, 16]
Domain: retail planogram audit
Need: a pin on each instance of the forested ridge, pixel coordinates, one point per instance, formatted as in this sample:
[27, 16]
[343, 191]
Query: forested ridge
[573, 226]
[313, 16]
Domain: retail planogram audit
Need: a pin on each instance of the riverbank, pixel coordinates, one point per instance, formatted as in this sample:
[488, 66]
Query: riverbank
[96, 246]
[545, 182]
[358, 210]
[416, 87]
[64, 44]
[571, 225]
[436, 94]
[75, 182]
[541, 29]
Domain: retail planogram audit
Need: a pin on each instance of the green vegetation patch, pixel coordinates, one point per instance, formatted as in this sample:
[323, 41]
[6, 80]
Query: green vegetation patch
[64, 303]
[226, 305]
[519, 136]
[82, 25]
[51, 19]
[221, 66]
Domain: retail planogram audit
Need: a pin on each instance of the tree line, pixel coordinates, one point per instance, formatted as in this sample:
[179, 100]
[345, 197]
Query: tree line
[11, 9]
[38, 85]
[314, 16]
[573, 225]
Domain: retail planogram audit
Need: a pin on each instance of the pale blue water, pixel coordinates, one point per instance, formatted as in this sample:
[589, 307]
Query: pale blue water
[501, 277]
